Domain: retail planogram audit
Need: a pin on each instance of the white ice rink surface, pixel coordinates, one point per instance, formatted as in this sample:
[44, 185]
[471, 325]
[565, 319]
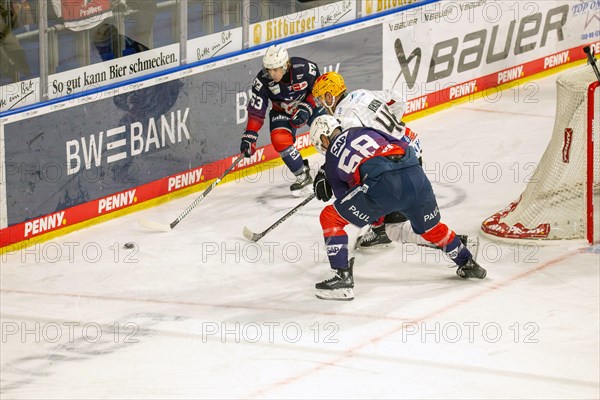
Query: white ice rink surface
[200, 313]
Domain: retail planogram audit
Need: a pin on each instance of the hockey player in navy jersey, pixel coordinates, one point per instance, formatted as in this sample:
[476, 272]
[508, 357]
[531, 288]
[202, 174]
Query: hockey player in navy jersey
[288, 83]
[371, 174]
[381, 109]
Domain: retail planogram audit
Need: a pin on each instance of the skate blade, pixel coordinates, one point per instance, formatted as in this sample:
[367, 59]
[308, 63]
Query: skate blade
[470, 275]
[375, 246]
[346, 294]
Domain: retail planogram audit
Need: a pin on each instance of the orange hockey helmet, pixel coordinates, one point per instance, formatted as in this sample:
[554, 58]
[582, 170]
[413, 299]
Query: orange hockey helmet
[329, 82]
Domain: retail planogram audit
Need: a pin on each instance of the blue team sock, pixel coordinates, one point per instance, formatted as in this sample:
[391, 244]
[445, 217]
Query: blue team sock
[337, 251]
[458, 252]
[292, 158]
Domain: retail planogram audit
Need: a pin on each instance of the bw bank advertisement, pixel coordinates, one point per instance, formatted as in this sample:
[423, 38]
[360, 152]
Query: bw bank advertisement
[110, 146]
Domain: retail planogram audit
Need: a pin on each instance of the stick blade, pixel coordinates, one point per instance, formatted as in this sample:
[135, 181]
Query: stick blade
[251, 236]
[153, 225]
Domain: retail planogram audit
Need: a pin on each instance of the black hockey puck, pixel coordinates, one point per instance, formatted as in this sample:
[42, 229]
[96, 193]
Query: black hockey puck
[128, 245]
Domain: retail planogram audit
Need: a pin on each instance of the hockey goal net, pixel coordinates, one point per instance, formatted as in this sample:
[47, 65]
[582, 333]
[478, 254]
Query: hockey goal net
[559, 201]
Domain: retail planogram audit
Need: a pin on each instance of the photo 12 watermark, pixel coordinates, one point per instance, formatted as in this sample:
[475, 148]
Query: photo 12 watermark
[68, 332]
[470, 332]
[88, 252]
[269, 332]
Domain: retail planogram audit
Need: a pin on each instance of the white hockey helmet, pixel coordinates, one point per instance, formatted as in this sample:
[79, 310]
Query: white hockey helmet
[276, 57]
[323, 125]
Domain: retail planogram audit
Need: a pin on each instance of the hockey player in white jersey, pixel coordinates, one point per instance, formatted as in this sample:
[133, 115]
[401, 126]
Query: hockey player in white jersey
[381, 110]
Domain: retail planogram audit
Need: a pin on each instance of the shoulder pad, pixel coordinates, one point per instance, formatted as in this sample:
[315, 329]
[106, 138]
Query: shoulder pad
[298, 61]
[262, 75]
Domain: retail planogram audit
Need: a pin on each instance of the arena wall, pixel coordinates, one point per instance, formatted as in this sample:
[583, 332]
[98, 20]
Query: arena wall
[118, 137]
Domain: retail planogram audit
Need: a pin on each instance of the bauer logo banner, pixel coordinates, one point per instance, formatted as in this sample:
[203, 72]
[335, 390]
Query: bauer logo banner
[451, 44]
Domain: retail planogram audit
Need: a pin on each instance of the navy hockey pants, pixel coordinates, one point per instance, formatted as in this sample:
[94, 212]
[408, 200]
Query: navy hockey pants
[406, 190]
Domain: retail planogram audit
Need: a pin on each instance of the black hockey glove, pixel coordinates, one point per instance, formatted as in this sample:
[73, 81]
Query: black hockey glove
[321, 187]
[248, 145]
[301, 115]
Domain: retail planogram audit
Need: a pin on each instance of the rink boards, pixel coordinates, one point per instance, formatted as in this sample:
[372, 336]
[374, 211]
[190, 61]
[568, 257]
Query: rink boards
[88, 158]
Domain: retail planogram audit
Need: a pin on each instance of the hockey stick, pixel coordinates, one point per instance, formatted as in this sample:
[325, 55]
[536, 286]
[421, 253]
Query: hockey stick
[255, 237]
[592, 61]
[471, 243]
[164, 227]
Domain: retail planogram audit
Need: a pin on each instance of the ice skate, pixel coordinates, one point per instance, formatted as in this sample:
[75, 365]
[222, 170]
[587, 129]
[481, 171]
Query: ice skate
[302, 186]
[339, 287]
[471, 270]
[374, 238]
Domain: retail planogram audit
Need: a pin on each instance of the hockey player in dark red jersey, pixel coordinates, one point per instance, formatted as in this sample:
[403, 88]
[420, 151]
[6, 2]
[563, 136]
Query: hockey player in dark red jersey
[371, 174]
[288, 83]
